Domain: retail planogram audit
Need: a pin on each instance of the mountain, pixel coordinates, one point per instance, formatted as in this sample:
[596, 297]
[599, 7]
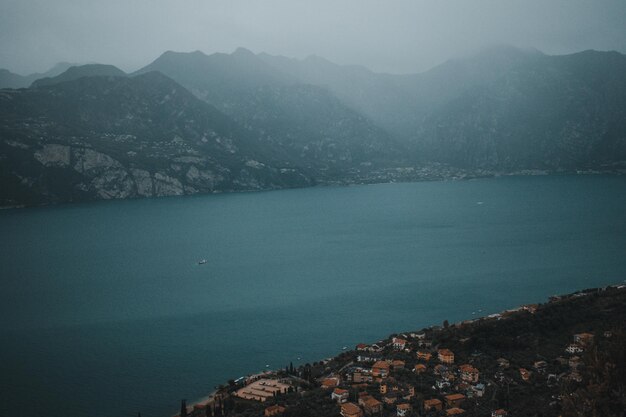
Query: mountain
[218, 78]
[502, 109]
[191, 122]
[304, 123]
[383, 98]
[544, 112]
[122, 137]
[399, 103]
[76, 72]
[312, 128]
[12, 80]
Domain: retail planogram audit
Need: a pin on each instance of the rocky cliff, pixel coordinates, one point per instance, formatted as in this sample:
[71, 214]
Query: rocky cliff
[117, 137]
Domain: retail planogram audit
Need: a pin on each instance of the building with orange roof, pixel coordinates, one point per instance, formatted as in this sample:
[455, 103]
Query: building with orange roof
[362, 346]
[262, 389]
[445, 356]
[524, 373]
[398, 364]
[273, 410]
[351, 410]
[380, 370]
[433, 404]
[403, 409]
[340, 395]
[360, 376]
[499, 413]
[371, 405]
[330, 382]
[454, 411]
[454, 400]
[584, 339]
[469, 373]
[419, 368]
[398, 343]
[424, 355]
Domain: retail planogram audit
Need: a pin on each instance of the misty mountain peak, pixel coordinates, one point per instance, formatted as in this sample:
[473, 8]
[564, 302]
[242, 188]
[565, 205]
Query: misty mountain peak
[171, 56]
[316, 59]
[73, 73]
[243, 52]
[59, 68]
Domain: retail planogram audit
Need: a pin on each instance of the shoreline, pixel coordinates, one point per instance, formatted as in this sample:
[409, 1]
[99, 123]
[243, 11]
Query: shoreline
[343, 183]
[502, 315]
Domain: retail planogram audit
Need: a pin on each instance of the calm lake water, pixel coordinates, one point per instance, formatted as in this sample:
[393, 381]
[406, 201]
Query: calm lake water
[104, 310]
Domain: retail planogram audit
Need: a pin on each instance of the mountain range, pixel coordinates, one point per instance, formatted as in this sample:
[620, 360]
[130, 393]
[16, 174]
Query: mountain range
[195, 123]
[10, 79]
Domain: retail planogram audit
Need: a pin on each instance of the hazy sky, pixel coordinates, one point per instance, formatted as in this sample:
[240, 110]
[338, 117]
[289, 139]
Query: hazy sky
[384, 35]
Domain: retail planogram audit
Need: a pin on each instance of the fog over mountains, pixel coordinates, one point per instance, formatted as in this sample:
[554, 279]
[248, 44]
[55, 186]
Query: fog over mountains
[195, 123]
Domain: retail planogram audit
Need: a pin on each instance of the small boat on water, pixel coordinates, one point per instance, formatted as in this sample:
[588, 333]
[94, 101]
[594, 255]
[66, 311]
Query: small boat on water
[202, 262]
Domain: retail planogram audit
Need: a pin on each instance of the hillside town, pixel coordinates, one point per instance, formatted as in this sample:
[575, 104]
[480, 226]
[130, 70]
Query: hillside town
[566, 357]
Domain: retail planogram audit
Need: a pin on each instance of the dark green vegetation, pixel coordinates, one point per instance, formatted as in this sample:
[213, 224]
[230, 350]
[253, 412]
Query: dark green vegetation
[245, 122]
[592, 383]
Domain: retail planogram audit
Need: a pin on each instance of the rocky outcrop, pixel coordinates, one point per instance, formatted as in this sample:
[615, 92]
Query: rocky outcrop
[87, 161]
[53, 155]
[113, 183]
[117, 137]
[164, 185]
[143, 182]
[203, 179]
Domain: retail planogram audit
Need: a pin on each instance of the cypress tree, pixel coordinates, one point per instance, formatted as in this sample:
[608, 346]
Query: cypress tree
[183, 408]
[219, 409]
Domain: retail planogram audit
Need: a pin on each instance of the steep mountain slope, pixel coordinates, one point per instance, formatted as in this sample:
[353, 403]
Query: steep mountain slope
[547, 112]
[76, 72]
[312, 128]
[400, 103]
[119, 137]
[220, 79]
[501, 109]
[381, 97]
[304, 123]
[9, 79]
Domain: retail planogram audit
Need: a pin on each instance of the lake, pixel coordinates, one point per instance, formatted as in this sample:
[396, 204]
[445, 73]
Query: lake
[104, 310]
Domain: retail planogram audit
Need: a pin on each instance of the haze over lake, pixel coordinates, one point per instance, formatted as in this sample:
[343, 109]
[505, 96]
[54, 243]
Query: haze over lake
[105, 311]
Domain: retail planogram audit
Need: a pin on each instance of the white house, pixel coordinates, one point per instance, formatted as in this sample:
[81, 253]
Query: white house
[574, 348]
